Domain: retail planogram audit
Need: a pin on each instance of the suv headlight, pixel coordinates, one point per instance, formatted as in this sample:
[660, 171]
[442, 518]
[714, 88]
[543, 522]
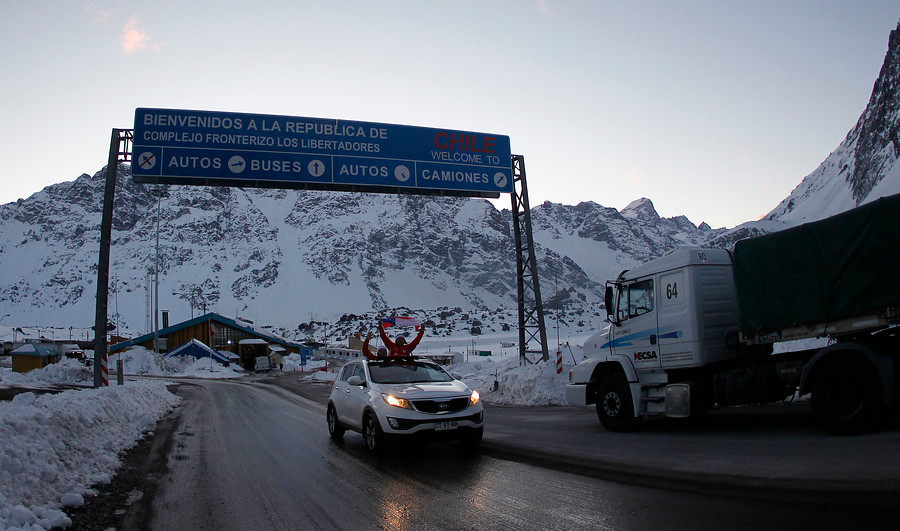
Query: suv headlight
[397, 402]
[474, 398]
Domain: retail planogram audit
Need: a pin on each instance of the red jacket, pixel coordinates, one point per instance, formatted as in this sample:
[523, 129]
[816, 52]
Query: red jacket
[400, 350]
[366, 351]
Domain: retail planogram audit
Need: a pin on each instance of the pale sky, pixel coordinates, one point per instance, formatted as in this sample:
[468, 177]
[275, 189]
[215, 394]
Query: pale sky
[712, 109]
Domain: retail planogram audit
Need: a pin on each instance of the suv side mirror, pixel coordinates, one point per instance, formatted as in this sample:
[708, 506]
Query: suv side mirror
[356, 380]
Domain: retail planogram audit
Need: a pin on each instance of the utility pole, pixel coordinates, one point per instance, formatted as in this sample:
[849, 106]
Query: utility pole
[159, 193]
[119, 150]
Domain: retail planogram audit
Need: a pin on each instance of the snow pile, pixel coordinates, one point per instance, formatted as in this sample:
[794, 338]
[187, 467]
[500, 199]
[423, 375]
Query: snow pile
[292, 363]
[504, 382]
[67, 371]
[144, 362]
[207, 368]
[137, 360]
[322, 376]
[55, 446]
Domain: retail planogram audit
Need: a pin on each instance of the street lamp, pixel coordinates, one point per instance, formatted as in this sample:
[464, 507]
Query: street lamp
[159, 193]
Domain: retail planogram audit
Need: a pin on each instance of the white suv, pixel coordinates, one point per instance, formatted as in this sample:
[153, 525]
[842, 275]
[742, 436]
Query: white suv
[403, 396]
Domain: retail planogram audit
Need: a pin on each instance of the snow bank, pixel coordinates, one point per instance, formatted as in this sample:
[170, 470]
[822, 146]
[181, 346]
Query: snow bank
[55, 446]
[207, 368]
[67, 371]
[535, 384]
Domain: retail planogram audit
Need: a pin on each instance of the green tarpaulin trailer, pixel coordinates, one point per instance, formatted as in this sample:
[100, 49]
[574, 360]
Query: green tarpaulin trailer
[820, 272]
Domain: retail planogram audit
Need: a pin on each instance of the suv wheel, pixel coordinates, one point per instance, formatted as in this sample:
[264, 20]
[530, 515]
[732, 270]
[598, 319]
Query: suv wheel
[334, 425]
[373, 434]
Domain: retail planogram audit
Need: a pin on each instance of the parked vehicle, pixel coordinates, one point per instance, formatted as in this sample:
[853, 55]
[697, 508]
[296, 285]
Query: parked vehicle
[696, 328]
[403, 397]
[262, 364]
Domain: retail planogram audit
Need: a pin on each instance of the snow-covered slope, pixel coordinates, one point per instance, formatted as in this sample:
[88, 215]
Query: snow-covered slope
[864, 167]
[280, 257]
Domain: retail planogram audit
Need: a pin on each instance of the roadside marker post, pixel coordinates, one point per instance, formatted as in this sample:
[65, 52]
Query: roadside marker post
[104, 370]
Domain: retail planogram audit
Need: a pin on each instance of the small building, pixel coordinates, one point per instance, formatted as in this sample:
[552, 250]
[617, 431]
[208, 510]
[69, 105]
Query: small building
[32, 356]
[218, 332]
[198, 350]
[276, 355]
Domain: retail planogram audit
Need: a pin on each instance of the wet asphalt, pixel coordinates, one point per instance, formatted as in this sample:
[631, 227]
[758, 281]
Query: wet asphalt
[769, 452]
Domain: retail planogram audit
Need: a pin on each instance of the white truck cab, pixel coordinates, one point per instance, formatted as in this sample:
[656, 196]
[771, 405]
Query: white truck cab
[671, 313]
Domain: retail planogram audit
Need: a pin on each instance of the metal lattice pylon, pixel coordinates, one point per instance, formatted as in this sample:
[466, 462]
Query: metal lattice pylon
[532, 332]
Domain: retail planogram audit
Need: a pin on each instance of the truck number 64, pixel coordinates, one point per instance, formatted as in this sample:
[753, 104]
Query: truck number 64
[672, 290]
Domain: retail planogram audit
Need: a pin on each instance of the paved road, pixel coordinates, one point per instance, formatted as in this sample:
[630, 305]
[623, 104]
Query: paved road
[245, 455]
[774, 452]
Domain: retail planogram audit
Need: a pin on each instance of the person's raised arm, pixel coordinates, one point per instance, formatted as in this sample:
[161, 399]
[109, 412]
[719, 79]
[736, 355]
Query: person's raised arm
[365, 349]
[384, 338]
[418, 338]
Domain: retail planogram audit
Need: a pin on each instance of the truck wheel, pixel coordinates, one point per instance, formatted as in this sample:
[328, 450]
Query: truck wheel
[335, 430]
[846, 396]
[614, 405]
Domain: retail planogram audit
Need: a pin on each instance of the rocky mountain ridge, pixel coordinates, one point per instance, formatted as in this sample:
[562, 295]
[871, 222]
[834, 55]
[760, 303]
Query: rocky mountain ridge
[281, 255]
[864, 166]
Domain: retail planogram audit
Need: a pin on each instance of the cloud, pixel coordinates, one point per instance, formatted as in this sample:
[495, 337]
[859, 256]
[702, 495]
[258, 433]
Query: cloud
[635, 176]
[102, 15]
[135, 38]
[543, 6]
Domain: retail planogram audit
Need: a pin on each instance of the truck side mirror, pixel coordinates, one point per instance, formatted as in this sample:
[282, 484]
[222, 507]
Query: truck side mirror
[609, 305]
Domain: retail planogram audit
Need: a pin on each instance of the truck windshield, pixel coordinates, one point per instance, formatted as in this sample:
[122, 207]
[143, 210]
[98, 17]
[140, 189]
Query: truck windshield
[635, 299]
[407, 372]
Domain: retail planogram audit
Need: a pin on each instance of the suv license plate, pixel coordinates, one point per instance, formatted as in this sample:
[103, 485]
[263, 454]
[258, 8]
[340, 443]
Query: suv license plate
[443, 426]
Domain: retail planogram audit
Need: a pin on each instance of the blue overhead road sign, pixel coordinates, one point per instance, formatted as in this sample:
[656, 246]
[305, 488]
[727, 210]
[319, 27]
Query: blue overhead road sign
[237, 149]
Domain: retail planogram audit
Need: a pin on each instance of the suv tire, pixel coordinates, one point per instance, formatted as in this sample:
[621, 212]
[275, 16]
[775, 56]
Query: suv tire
[335, 430]
[373, 434]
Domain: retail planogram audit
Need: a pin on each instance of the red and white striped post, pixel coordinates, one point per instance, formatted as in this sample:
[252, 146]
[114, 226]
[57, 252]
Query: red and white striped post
[558, 362]
[104, 371]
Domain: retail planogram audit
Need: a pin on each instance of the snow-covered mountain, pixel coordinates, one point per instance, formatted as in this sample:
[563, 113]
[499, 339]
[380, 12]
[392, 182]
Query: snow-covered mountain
[864, 167]
[282, 258]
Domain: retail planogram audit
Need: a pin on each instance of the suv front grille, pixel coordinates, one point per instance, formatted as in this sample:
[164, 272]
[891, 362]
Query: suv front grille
[441, 406]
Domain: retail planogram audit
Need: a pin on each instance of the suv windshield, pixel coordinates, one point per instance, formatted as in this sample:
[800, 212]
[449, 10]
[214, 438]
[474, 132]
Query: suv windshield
[407, 372]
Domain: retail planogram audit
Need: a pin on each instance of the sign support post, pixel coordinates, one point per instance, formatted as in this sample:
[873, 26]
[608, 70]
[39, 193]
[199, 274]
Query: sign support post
[531, 309]
[118, 151]
[264, 151]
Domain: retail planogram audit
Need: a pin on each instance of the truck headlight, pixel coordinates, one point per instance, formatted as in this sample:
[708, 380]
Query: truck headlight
[474, 398]
[397, 402]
